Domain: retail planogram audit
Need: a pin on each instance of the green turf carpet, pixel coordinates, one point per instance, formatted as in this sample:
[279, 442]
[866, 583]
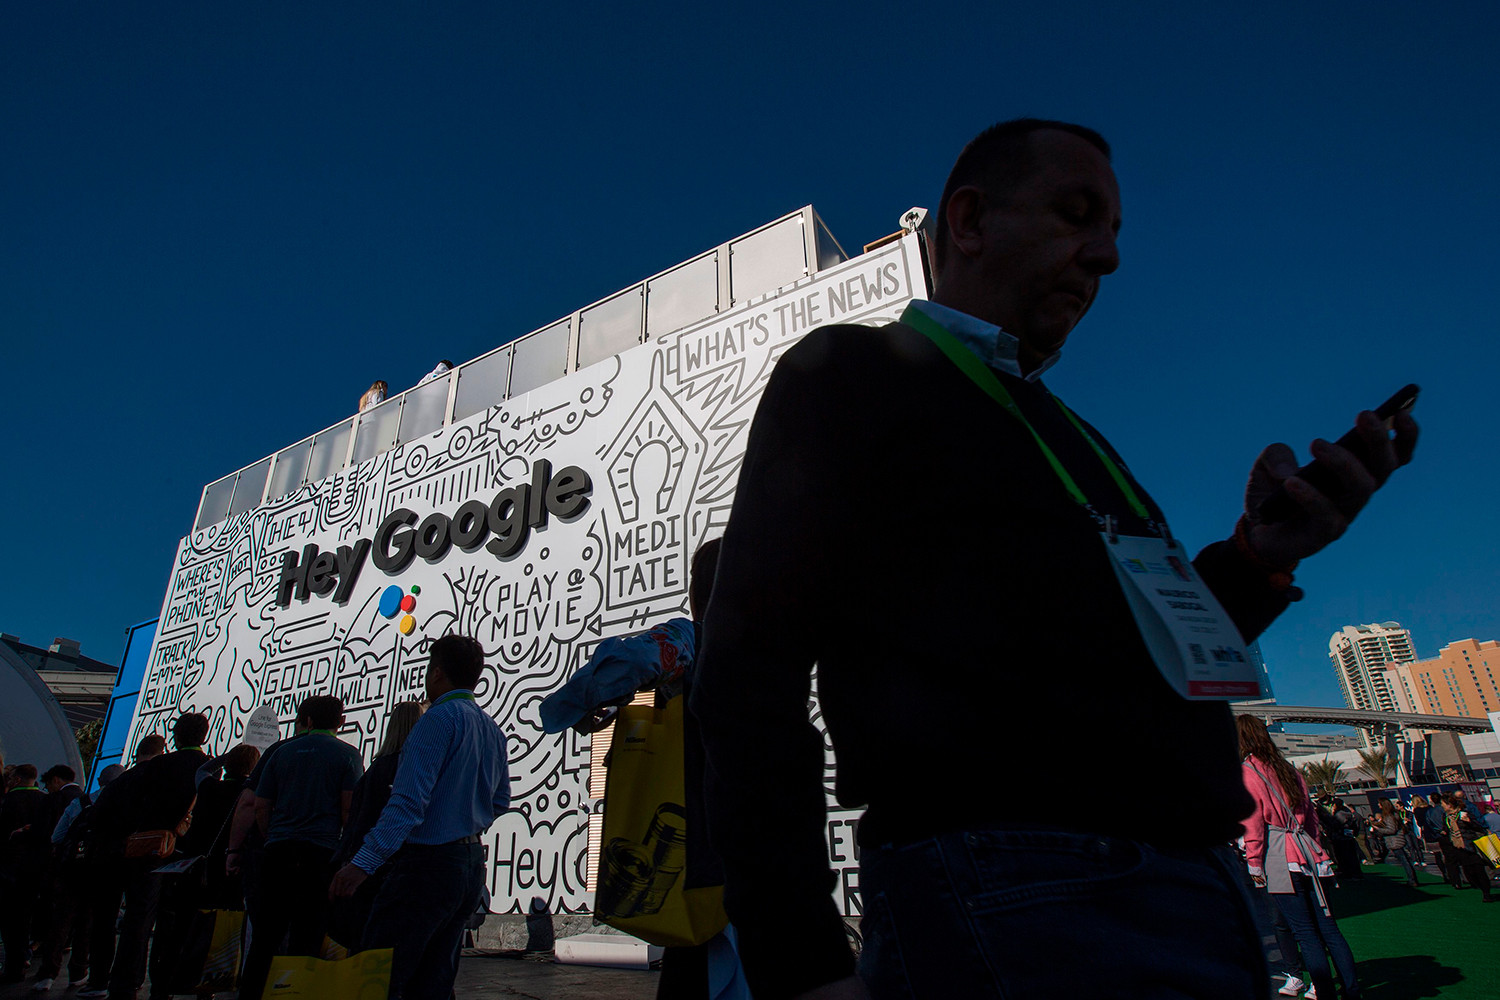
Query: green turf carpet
[1431, 941]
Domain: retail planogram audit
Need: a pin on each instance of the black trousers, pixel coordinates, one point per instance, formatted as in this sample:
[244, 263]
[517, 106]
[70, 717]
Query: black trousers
[178, 902]
[1435, 849]
[19, 893]
[428, 896]
[1346, 856]
[291, 903]
[1473, 865]
[71, 918]
[1452, 864]
[684, 973]
[102, 895]
[141, 889]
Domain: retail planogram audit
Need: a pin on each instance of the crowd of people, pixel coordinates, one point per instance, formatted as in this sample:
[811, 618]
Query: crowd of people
[1294, 844]
[321, 855]
[1027, 508]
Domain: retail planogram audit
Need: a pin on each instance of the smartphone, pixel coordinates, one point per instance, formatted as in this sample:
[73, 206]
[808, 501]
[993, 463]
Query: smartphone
[1279, 505]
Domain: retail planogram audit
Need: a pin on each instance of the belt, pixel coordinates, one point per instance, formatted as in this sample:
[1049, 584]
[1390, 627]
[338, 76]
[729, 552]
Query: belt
[472, 838]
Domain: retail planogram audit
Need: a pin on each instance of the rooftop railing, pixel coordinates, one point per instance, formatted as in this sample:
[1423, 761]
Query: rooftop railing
[741, 270]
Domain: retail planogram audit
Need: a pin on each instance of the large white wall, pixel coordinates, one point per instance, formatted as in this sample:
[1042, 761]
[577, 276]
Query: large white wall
[661, 432]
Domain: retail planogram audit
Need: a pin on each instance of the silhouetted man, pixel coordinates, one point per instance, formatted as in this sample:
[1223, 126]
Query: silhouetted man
[25, 849]
[154, 795]
[452, 782]
[921, 518]
[301, 805]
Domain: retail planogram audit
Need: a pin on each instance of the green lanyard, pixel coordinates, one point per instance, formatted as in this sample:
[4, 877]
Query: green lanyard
[454, 696]
[979, 373]
[321, 732]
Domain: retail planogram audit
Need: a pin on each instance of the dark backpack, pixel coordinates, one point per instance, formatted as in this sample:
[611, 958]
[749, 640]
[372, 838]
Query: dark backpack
[72, 853]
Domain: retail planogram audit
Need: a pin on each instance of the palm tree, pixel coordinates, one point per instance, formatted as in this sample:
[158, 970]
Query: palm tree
[1324, 775]
[87, 737]
[1378, 764]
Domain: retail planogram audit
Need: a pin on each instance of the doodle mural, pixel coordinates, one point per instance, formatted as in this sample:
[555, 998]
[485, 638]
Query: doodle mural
[658, 432]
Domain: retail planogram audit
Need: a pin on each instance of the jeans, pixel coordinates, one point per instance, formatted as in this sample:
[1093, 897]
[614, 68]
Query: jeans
[1279, 945]
[1399, 853]
[1319, 937]
[1023, 914]
[291, 899]
[428, 896]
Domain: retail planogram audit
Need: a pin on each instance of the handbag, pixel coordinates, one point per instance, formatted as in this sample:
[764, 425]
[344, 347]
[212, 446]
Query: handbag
[1489, 846]
[210, 953]
[641, 887]
[159, 843]
[364, 976]
[205, 954]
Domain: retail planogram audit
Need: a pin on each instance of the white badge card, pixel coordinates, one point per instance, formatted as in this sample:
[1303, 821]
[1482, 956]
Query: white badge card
[1192, 639]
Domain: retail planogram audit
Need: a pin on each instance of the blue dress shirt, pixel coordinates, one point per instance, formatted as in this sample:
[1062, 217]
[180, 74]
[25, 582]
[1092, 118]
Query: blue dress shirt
[452, 782]
[996, 348]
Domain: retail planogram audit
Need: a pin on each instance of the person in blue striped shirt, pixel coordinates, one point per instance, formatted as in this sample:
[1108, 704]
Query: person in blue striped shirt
[450, 786]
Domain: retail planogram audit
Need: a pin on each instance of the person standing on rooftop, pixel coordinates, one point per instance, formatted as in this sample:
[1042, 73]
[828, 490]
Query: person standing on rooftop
[451, 783]
[942, 635]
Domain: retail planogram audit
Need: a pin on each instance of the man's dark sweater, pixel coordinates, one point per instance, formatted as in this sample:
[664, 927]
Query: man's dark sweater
[154, 795]
[973, 648]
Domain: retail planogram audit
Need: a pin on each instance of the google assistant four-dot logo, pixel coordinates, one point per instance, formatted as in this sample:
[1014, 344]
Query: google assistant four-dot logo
[394, 602]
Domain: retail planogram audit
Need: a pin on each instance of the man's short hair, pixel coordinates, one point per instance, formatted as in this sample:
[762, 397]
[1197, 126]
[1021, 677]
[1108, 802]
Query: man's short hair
[151, 746]
[998, 160]
[62, 771]
[460, 658]
[322, 711]
[110, 773]
[24, 774]
[240, 761]
[701, 577]
[190, 730]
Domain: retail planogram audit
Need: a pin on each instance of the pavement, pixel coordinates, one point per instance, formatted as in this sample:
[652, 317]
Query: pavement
[1431, 941]
[484, 977]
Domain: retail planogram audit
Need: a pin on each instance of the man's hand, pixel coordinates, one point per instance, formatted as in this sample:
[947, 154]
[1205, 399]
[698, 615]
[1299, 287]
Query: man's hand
[850, 988]
[348, 879]
[1323, 518]
[232, 863]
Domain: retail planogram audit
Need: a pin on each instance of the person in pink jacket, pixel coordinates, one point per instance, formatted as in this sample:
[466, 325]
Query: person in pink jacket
[1284, 856]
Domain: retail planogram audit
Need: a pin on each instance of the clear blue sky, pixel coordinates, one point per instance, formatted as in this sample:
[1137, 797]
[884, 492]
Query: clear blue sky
[220, 222]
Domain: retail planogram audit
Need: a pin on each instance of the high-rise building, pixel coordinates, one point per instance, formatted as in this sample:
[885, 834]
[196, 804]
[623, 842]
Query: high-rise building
[1366, 659]
[1460, 680]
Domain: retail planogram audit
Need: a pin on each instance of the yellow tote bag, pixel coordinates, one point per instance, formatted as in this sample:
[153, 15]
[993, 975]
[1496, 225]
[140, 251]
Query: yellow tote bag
[365, 976]
[1489, 846]
[643, 852]
[221, 966]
